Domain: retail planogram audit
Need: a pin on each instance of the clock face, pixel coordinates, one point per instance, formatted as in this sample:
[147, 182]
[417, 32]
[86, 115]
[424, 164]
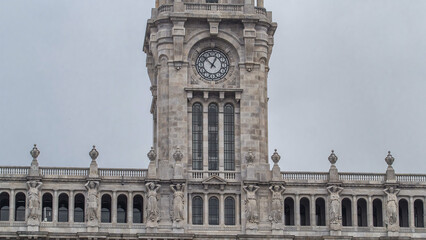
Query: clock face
[212, 65]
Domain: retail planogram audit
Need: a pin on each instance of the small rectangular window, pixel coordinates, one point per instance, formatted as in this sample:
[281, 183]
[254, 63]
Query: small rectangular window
[212, 1]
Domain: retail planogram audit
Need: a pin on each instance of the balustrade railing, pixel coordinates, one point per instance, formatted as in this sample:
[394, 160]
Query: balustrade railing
[14, 170]
[133, 173]
[200, 175]
[410, 178]
[366, 177]
[165, 8]
[56, 171]
[260, 10]
[305, 176]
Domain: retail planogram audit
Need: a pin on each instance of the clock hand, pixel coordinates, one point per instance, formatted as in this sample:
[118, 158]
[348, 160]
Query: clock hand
[211, 64]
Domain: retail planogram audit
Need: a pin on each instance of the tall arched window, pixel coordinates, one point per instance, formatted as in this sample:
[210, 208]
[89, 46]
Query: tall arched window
[346, 212]
[46, 211]
[213, 211]
[377, 213]
[229, 211]
[137, 209]
[197, 211]
[305, 215]
[20, 207]
[197, 136]
[63, 207]
[362, 212]
[229, 137]
[289, 211]
[4, 206]
[106, 208]
[418, 213]
[213, 135]
[122, 209]
[320, 211]
[403, 213]
[79, 208]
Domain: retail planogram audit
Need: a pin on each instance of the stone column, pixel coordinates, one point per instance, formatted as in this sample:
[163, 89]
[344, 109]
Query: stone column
[313, 211]
[71, 207]
[12, 205]
[114, 207]
[221, 210]
[189, 208]
[206, 210]
[354, 212]
[297, 211]
[130, 208]
[237, 209]
[370, 212]
[55, 206]
[411, 212]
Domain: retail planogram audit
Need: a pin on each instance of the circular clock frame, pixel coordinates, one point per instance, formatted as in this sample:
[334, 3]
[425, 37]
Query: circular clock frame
[212, 65]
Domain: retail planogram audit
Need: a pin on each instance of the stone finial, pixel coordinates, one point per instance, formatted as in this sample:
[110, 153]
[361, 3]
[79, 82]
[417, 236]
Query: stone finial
[250, 157]
[275, 157]
[333, 158]
[35, 152]
[389, 159]
[152, 155]
[94, 153]
[178, 155]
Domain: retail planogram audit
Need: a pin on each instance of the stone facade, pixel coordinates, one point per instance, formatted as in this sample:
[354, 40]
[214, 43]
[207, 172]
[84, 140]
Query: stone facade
[209, 175]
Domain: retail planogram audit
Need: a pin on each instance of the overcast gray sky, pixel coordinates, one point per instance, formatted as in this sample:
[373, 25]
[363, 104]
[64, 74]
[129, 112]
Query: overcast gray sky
[345, 75]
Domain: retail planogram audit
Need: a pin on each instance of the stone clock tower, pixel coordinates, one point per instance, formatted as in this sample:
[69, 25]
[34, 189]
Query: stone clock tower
[208, 65]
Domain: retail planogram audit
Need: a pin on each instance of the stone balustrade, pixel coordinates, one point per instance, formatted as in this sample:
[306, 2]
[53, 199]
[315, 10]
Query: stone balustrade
[191, 7]
[201, 175]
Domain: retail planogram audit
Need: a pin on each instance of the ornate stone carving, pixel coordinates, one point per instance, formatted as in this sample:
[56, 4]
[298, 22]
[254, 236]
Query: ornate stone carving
[178, 155]
[152, 155]
[252, 215]
[34, 169]
[92, 201]
[178, 202]
[94, 153]
[33, 195]
[250, 157]
[389, 159]
[277, 203]
[35, 152]
[392, 209]
[334, 201]
[275, 157]
[276, 171]
[333, 158]
[152, 205]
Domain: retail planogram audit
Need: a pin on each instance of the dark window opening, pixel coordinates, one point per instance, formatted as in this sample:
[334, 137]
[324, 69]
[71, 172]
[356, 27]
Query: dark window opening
[63, 208]
[137, 209]
[214, 211]
[377, 213]
[229, 211]
[362, 212]
[320, 212]
[419, 213]
[346, 212]
[46, 211]
[197, 136]
[213, 136]
[79, 208]
[304, 212]
[403, 213]
[122, 209]
[106, 208]
[289, 212]
[229, 137]
[197, 211]
[4, 207]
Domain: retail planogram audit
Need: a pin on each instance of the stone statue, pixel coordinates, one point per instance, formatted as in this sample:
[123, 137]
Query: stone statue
[335, 216]
[92, 200]
[392, 208]
[152, 206]
[34, 199]
[277, 203]
[178, 202]
[251, 204]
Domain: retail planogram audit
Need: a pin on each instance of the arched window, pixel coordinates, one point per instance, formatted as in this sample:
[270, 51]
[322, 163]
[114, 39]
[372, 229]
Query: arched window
[304, 212]
[122, 209]
[79, 208]
[377, 213]
[289, 211]
[137, 209]
[63, 207]
[213, 136]
[214, 211]
[418, 213]
[46, 211]
[346, 212]
[229, 211]
[197, 136]
[20, 207]
[197, 211]
[320, 212]
[403, 213]
[362, 212]
[229, 137]
[106, 208]
[4, 206]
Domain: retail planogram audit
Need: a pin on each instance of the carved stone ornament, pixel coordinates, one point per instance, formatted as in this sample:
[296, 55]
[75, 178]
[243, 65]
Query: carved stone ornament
[275, 157]
[178, 213]
[250, 157]
[34, 200]
[335, 216]
[389, 159]
[392, 209]
[178, 155]
[250, 202]
[152, 155]
[153, 213]
[333, 158]
[35, 152]
[277, 203]
[94, 153]
[92, 201]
